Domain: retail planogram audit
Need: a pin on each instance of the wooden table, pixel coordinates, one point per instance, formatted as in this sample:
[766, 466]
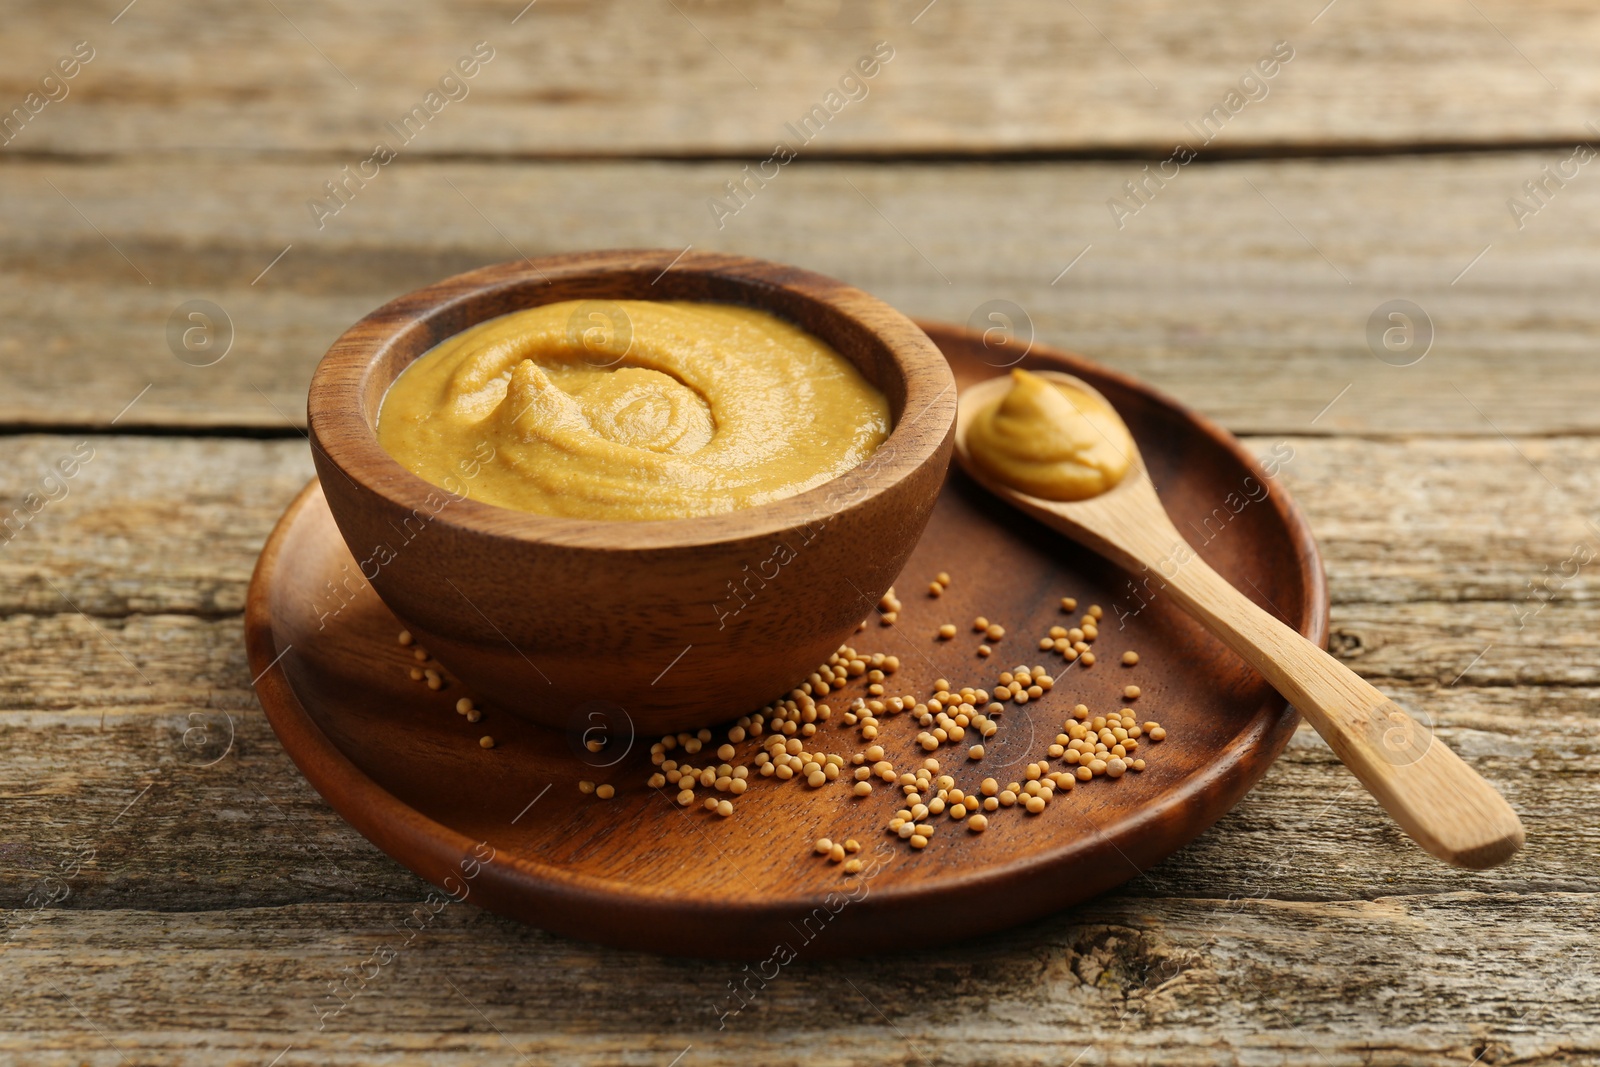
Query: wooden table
[164, 905]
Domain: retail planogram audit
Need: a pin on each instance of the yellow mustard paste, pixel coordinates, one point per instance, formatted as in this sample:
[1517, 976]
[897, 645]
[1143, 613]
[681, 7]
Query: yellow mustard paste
[1051, 439]
[632, 410]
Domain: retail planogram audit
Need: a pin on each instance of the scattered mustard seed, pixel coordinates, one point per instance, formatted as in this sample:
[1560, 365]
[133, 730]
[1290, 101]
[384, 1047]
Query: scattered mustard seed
[947, 631]
[405, 637]
[486, 741]
[586, 787]
[463, 705]
[1130, 692]
[605, 792]
[978, 823]
[1130, 658]
[984, 650]
[994, 632]
[980, 624]
[1069, 604]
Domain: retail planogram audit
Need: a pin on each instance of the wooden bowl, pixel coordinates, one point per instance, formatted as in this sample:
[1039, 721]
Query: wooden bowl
[562, 620]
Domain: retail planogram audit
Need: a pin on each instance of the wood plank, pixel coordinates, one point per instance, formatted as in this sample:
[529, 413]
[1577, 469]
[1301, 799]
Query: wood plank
[1399, 980]
[173, 525]
[178, 820]
[705, 76]
[156, 538]
[1245, 289]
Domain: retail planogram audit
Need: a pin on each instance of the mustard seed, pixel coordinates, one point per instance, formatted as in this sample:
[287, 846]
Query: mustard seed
[416, 674]
[862, 789]
[947, 631]
[1130, 658]
[486, 741]
[405, 637]
[473, 715]
[935, 589]
[994, 632]
[685, 798]
[1130, 692]
[435, 682]
[984, 650]
[605, 792]
[980, 624]
[918, 841]
[836, 854]
[1157, 734]
[1086, 658]
[975, 752]
[586, 787]
[419, 654]
[1035, 805]
[852, 866]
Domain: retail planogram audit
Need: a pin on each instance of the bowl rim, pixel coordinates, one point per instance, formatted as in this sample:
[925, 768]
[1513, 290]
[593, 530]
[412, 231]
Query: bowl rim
[341, 426]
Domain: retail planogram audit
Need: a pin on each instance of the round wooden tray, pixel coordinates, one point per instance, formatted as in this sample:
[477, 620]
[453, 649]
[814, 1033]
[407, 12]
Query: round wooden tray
[394, 758]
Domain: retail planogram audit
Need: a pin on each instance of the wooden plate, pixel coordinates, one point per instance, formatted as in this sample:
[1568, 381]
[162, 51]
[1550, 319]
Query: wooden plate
[395, 759]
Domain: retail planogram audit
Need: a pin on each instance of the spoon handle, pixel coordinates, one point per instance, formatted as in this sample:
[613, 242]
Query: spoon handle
[1445, 805]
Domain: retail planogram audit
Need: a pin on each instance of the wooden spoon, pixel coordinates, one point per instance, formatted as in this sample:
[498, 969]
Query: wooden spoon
[1444, 805]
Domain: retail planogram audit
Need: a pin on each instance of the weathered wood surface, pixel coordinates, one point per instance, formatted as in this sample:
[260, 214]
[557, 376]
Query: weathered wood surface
[1402, 980]
[222, 897]
[94, 709]
[1245, 288]
[172, 525]
[699, 76]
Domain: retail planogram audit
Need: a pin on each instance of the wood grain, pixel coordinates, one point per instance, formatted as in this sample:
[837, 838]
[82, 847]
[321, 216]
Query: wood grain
[1124, 981]
[194, 139]
[1461, 566]
[1208, 293]
[1522, 713]
[704, 76]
